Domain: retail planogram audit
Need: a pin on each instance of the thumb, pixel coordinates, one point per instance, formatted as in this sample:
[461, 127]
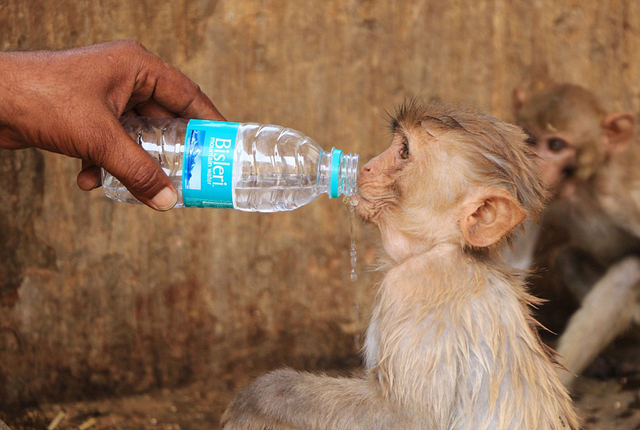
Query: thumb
[137, 170]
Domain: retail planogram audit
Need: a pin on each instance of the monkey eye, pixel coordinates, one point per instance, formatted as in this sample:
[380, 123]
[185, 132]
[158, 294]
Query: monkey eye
[556, 144]
[404, 153]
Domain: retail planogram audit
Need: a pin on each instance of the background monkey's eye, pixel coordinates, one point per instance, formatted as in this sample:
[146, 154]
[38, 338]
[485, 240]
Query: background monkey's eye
[404, 153]
[556, 145]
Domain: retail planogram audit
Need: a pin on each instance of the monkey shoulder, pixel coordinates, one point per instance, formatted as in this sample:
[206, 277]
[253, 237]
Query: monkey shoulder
[621, 200]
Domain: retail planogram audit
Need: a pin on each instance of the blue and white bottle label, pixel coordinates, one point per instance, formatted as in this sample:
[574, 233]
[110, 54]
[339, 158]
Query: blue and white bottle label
[207, 166]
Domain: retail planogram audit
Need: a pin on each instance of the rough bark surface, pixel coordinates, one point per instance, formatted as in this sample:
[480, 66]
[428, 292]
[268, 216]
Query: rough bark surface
[99, 297]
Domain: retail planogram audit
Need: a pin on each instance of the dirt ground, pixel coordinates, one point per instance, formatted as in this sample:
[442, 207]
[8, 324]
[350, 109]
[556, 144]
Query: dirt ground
[612, 402]
[608, 399]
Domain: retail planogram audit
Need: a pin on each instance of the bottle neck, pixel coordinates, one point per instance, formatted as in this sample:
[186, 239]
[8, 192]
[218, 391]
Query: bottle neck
[339, 173]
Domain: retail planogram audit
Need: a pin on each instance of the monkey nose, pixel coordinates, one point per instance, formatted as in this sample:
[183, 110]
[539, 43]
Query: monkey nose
[364, 173]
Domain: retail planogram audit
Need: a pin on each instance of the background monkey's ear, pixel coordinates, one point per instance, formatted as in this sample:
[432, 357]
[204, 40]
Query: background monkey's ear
[489, 216]
[618, 128]
[519, 97]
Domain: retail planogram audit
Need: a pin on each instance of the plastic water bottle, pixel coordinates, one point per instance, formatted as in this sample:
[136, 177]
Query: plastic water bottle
[245, 166]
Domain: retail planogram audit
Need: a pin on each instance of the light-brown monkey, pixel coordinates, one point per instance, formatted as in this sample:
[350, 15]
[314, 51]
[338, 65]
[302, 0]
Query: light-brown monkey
[451, 343]
[586, 159]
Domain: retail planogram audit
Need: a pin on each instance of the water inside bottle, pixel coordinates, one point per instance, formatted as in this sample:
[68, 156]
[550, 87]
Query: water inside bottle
[274, 193]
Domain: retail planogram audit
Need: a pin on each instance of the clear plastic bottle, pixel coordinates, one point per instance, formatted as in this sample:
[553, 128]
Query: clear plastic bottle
[246, 166]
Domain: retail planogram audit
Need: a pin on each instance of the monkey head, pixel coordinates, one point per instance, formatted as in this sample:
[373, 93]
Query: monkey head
[451, 175]
[571, 133]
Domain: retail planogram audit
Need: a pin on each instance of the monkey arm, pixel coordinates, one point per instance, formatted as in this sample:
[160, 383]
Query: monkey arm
[606, 311]
[286, 399]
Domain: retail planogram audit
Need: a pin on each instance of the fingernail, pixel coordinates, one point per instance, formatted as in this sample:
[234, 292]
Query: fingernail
[165, 199]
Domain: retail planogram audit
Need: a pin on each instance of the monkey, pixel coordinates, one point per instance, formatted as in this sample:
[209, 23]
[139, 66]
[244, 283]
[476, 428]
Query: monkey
[591, 166]
[451, 343]
[556, 162]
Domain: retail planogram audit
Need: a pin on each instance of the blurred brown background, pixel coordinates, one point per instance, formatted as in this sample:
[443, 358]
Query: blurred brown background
[98, 297]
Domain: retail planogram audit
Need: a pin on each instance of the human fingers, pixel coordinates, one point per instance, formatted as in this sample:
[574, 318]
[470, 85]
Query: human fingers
[177, 93]
[151, 109]
[118, 154]
[89, 177]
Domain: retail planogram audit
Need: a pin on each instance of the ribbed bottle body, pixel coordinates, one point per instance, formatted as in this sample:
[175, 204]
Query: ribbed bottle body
[274, 168]
[278, 169]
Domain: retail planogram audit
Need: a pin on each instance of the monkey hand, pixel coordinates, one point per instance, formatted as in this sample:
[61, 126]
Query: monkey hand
[251, 408]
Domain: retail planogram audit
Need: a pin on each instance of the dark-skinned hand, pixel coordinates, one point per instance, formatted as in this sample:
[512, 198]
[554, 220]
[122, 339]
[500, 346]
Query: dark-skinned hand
[69, 102]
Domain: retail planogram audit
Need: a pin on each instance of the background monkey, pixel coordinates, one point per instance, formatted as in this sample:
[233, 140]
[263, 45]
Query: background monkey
[451, 343]
[593, 172]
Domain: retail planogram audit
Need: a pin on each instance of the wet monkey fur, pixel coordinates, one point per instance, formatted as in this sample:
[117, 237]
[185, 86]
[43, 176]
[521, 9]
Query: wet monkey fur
[451, 343]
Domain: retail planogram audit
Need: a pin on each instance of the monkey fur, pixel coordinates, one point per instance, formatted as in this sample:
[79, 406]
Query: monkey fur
[451, 343]
[590, 161]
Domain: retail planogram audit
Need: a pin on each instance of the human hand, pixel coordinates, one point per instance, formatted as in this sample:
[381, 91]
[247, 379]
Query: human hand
[69, 102]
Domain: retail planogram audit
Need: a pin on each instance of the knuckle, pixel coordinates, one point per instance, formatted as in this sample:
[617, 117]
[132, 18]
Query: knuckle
[193, 94]
[195, 88]
[131, 45]
[192, 101]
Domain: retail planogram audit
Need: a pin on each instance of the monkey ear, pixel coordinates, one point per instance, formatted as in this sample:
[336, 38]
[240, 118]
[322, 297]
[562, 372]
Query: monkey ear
[618, 128]
[519, 98]
[488, 217]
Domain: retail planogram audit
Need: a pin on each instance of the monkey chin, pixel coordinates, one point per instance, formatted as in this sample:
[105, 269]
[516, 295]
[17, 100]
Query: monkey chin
[366, 210]
[375, 204]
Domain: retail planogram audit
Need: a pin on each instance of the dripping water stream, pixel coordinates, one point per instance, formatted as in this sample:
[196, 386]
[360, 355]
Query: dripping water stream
[353, 254]
[351, 203]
